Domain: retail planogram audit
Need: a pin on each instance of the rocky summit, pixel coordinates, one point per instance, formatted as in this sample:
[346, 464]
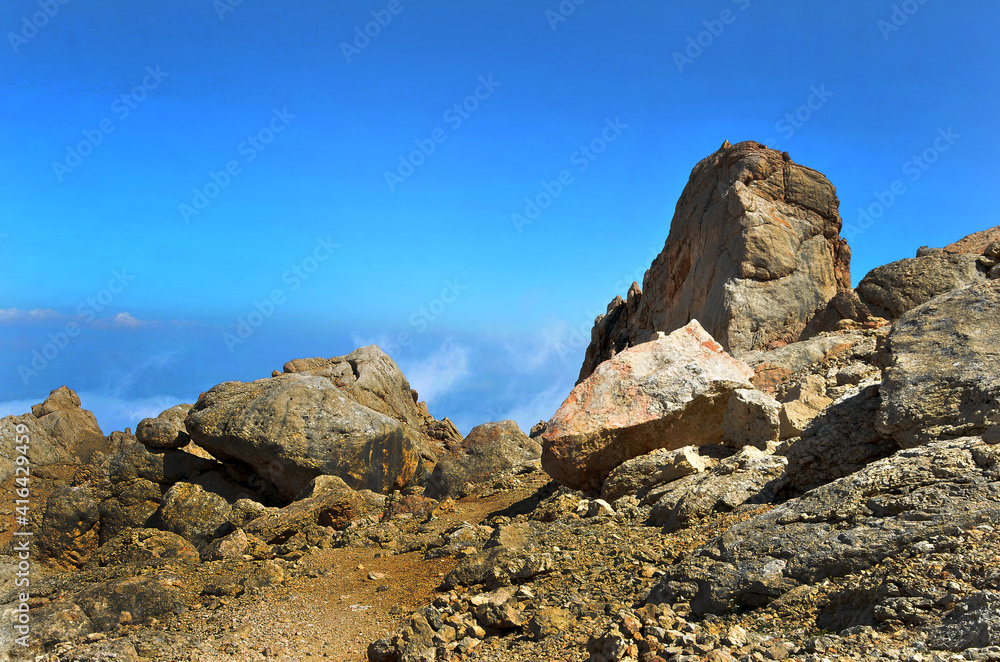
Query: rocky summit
[758, 463]
[754, 249]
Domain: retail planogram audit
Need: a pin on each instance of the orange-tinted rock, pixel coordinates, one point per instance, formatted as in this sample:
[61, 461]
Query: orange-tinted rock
[667, 393]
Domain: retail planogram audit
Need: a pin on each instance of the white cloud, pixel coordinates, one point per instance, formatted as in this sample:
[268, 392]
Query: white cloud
[540, 407]
[440, 372]
[16, 315]
[556, 341]
[122, 320]
[127, 320]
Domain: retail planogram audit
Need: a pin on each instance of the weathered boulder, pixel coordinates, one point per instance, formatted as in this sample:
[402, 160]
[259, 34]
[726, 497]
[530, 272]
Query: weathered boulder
[668, 393]
[142, 598]
[803, 403]
[638, 475]
[943, 367]
[774, 369]
[138, 545]
[57, 431]
[295, 427]
[166, 430]
[371, 378]
[70, 528]
[76, 428]
[931, 493]
[754, 249]
[129, 505]
[794, 357]
[975, 243]
[488, 449]
[752, 418]
[891, 290]
[194, 514]
[327, 501]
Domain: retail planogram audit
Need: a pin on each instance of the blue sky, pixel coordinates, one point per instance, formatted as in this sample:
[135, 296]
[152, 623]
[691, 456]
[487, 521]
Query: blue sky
[172, 170]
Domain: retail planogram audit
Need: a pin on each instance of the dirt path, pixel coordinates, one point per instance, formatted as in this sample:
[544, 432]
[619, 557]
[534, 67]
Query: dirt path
[347, 599]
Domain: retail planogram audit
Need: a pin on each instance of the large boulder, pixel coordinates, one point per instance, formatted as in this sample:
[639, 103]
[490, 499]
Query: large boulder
[294, 427]
[667, 393]
[70, 528]
[143, 598]
[754, 249]
[166, 430]
[777, 366]
[488, 449]
[129, 505]
[371, 378]
[943, 367]
[892, 289]
[194, 514]
[139, 545]
[58, 431]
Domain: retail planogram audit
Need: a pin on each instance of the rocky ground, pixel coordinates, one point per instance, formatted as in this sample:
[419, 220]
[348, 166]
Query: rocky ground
[567, 578]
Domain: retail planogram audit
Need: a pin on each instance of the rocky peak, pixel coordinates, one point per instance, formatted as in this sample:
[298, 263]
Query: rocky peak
[754, 250]
[61, 399]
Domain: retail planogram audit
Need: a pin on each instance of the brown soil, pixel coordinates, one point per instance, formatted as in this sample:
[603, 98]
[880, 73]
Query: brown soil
[336, 609]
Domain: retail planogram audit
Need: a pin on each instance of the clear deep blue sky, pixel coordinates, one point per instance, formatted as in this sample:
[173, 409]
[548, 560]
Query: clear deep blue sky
[115, 113]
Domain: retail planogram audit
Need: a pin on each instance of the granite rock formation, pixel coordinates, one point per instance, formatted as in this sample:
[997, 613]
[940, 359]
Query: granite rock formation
[754, 250]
